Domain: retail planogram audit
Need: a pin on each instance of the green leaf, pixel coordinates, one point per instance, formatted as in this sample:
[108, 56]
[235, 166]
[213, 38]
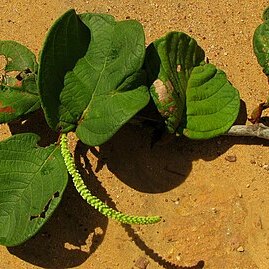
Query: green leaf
[105, 87]
[32, 181]
[113, 90]
[193, 97]
[66, 42]
[212, 103]
[18, 94]
[169, 63]
[18, 57]
[261, 43]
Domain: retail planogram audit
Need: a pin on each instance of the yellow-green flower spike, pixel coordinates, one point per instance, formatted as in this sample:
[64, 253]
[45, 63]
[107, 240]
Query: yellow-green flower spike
[93, 200]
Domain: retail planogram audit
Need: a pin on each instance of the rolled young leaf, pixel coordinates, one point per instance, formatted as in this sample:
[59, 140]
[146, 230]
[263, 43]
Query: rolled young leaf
[66, 42]
[18, 94]
[32, 181]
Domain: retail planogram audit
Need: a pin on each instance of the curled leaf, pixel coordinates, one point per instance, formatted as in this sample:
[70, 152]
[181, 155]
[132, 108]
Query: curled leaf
[102, 85]
[193, 97]
[169, 62]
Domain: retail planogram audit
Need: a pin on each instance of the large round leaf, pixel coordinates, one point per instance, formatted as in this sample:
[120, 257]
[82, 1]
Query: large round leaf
[18, 94]
[193, 97]
[107, 80]
[103, 88]
[32, 181]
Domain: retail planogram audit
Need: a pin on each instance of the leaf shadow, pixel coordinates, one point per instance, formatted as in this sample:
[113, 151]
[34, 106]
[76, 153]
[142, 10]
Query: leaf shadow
[155, 256]
[70, 237]
[75, 230]
[131, 232]
[34, 123]
[160, 168]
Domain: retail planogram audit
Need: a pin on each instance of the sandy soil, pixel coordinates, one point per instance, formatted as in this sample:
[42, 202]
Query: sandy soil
[214, 210]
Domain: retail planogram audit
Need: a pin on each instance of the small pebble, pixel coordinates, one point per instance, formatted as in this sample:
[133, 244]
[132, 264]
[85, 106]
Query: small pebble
[142, 263]
[231, 158]
[240, 249]
[178, 258]
[266, 167]
[214, 210]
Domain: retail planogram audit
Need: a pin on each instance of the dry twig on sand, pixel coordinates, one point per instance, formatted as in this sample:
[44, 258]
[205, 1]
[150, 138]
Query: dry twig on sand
[257, 130]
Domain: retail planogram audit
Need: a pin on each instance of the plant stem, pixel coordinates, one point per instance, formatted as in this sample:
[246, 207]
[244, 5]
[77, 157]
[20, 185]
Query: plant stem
[257, 130]
[93, 200]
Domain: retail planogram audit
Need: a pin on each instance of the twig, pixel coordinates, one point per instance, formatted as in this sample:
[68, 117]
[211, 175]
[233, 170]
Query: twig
[257, 130]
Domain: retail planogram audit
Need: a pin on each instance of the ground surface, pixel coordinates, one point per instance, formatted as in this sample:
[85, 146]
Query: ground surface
[215, 211]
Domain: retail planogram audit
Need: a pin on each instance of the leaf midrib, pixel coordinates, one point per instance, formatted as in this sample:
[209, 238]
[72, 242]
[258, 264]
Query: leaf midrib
[30, 181]
[94, 91]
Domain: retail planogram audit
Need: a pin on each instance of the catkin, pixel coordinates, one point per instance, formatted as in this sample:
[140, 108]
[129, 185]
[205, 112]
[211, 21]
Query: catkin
[93, 200]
